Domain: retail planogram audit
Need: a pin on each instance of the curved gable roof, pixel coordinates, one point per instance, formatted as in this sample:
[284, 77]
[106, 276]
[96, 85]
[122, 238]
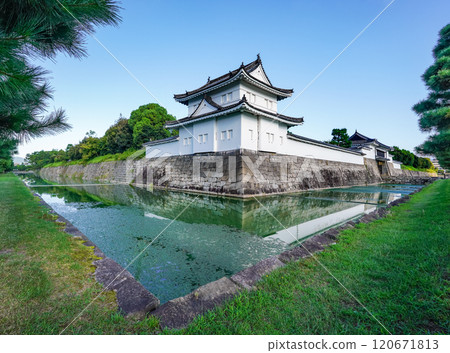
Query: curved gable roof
[359, 139]
[244, 71]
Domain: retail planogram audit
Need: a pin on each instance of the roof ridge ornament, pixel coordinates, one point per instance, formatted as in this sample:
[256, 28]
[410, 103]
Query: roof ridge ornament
[209, 79]
[258, 58]
[244, 98]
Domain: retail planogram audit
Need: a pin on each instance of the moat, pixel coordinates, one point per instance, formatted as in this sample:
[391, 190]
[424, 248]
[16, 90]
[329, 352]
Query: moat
[201, 238]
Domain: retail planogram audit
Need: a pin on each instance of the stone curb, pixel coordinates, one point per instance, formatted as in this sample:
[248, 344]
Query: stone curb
[248, 277]
[133, 299]
[178, 313]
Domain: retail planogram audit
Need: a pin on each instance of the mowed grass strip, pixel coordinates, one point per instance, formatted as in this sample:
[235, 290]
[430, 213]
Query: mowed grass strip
[47, 275]
[397, 267]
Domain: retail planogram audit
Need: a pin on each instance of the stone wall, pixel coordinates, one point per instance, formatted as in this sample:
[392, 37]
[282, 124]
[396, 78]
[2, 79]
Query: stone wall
[245, 172]
[111, 172]
[402, 176]
[239, 173]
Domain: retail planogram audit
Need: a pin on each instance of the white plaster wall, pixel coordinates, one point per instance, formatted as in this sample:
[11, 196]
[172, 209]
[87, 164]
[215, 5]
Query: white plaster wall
[258, 73]
[269, 133]
[303, 149]
[249, 139]
[186, 132]
[397, 165]
[216, 95]
[225, 123]
[202, 128]
[260, 96]
[390, 157]
[204, 109]
[163, 149]
[370, 152]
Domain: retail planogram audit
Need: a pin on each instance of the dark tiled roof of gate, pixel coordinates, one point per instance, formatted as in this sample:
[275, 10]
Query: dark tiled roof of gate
[365, 140]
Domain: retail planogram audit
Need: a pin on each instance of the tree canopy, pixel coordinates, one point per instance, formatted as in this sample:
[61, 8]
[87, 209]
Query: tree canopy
[147, 123]
[340, 138]
[434, 111]
[409, 158]
[118, 138]
[40, 29]
[124, 136]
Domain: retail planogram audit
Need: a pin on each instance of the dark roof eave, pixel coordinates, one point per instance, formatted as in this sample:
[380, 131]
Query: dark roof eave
[383, 159]
[286, 119]
[157, 142]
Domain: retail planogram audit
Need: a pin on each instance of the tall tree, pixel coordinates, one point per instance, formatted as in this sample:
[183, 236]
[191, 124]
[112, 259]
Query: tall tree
[434, 112]
[340, 138]
[118, 138]
[148, 123]
[40, 29]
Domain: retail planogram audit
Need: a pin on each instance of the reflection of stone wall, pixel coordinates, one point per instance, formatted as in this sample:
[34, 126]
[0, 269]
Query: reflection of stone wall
[238, 173]
[249, 215]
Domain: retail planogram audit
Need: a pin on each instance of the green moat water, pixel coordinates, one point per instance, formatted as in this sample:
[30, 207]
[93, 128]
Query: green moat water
[200, 238]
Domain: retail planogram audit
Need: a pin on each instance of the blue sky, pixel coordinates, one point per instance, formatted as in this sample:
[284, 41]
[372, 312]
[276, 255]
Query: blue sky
[173, 46]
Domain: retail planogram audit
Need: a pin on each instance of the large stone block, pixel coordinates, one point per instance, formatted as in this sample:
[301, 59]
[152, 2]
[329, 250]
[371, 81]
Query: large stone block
[133, 299]
[250, 276]
[294, 254]
[179, 312]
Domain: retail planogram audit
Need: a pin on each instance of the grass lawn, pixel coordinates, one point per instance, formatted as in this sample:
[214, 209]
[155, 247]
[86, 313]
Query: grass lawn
[398, 267]
[409, 167]
[47, 275]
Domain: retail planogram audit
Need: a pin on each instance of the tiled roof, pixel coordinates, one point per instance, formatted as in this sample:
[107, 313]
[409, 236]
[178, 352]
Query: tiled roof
[157, 142]
[184, 97]
[242, 104]
[358, 137]
[365, 141]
